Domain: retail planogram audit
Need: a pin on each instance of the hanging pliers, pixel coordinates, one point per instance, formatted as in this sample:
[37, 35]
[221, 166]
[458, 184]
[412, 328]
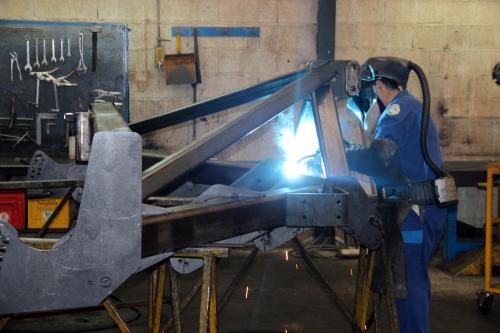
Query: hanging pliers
[13, 59]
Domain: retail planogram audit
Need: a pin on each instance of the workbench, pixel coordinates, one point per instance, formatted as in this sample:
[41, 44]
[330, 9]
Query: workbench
[466, 174]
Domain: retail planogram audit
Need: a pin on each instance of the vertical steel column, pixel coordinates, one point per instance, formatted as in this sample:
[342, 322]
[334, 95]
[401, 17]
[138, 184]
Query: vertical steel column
[325, 37]
[329, 133]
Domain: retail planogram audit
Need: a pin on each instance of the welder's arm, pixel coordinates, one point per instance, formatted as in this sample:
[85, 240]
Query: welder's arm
[372, 161]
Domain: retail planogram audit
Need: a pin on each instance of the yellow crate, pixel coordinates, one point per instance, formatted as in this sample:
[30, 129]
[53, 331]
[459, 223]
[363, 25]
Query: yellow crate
[39, 210]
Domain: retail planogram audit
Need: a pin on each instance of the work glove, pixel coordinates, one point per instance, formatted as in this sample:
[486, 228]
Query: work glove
[372, 161]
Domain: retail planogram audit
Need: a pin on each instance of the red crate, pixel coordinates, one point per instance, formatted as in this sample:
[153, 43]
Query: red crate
[13, 203]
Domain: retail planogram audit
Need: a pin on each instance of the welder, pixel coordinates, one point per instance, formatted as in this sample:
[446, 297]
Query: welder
[404, 169]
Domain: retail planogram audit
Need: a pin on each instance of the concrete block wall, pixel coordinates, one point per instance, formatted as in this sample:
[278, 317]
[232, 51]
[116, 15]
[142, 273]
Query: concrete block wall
[456, 42]
[287, 41]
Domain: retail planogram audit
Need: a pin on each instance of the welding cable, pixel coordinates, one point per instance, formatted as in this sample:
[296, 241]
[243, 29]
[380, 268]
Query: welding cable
[424, 128]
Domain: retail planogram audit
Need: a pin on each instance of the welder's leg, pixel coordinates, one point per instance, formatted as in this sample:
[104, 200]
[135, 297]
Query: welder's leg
[435, 223]
[413, 312]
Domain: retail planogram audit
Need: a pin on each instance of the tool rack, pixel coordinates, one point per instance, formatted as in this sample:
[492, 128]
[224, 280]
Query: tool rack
[24, 127]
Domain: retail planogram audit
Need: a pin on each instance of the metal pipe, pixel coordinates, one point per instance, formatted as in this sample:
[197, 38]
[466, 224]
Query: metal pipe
[214, 105]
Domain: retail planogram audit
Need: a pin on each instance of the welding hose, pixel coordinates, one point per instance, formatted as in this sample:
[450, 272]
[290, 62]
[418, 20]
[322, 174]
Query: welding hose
[424, 127]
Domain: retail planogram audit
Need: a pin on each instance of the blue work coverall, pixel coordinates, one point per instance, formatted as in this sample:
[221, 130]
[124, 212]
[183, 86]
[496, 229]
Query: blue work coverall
[400, 122]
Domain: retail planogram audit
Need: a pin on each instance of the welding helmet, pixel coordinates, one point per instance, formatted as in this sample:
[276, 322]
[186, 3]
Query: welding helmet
[392, 68]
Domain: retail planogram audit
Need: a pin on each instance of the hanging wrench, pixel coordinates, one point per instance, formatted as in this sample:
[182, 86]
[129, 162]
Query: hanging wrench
[53, 59]
[28, 67]
[61, 58]
[44, 61]
[37, 63]
[69, 48]
[81, 65]
[13, 59]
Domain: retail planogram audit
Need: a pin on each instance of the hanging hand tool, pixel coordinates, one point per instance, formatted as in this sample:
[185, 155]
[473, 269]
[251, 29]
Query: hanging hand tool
[81, 64]
[39, 76]
[58, 82]
[94, 51]
[69, 48]
[61, 58]
[197, 75]
[13, 59]
[44, 61]
[28, 67]
[99, 93]
[13, 116]
[53, 59]
[37, 63]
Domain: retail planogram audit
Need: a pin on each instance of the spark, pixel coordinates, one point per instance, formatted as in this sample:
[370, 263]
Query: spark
[350, 271]
[286, 255]
[246, 292]
[300, 146]
[297, 267]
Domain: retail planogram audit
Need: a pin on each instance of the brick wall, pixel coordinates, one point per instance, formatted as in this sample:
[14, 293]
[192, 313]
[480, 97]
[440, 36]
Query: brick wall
[456, 42]
[288, 29]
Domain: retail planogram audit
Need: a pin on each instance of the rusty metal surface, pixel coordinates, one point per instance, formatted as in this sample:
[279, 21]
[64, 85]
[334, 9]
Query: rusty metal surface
[180, 68]
[209, 223]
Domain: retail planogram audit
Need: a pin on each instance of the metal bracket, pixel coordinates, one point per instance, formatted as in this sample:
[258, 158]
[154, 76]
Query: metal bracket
[103, 250]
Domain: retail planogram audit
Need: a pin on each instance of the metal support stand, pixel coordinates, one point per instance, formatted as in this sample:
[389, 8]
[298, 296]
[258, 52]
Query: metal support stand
[113, 312]
[175, 294]
[363, 293]
[391, 297]
[176, 318]
[208, 308]
[155, 297]
[3, 322]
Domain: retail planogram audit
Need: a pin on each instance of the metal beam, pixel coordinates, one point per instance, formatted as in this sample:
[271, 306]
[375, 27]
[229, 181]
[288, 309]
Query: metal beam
[107, 117]
[166, 171]
[329, 133]
[211, 223]
[31, 184]
[214, 105]
[325, 37]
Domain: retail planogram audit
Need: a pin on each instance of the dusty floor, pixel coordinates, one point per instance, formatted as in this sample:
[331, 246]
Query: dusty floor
[283, 297]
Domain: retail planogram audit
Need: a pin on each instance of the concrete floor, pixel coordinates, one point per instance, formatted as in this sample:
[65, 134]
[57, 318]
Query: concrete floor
[283, 299]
